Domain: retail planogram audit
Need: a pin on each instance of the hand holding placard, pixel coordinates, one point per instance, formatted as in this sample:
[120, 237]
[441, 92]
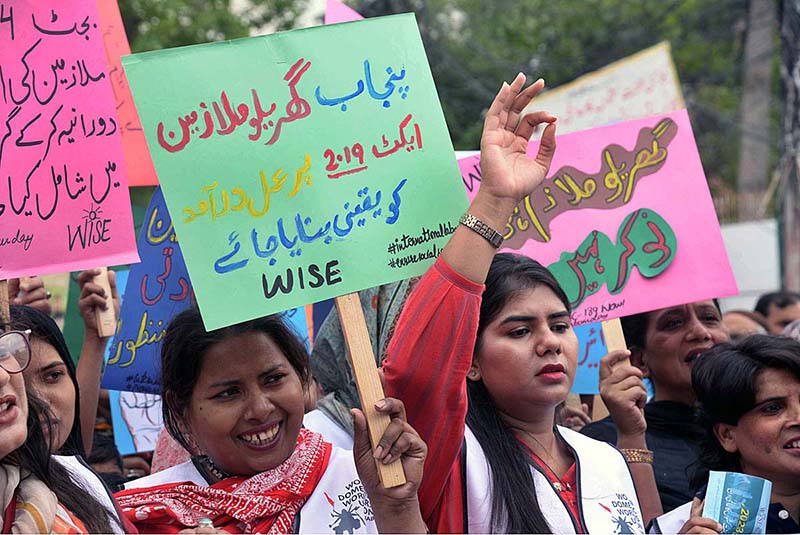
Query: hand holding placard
[106, 318]
[362, 361]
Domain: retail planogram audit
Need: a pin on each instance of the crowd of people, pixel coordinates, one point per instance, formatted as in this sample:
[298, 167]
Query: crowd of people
[478, 357]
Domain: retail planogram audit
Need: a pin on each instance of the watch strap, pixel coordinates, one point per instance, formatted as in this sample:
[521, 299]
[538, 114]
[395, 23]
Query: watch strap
[481, 228]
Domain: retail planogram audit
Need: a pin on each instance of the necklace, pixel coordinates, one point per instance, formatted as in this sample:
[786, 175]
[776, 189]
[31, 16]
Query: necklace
[205, 462]
[558, 484]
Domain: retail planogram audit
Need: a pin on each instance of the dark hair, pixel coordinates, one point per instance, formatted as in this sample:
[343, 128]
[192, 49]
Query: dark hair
[724, 378]
[515, 508]
[45, 329]
[34, 457]
[781, 299]
[104, 449]
[185, 345]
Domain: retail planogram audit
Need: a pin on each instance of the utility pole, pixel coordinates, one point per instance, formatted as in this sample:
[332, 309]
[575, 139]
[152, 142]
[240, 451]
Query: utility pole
[790, 145]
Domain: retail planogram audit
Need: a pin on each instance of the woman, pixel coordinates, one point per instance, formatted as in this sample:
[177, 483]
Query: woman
[52, 375]
[234, 398]
[663, 344]
[749, 406]
[40, 493]
[482, 355]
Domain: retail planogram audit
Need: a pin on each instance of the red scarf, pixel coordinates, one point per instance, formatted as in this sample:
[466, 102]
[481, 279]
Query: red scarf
[264, 503]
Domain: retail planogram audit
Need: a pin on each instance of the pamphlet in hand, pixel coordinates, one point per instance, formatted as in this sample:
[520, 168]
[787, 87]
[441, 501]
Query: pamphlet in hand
[737, 501]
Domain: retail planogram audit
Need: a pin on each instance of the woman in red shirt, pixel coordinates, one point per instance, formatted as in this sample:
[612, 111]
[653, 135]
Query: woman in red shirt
[482, 355]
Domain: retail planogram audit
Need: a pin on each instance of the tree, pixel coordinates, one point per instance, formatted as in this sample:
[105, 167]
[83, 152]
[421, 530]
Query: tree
[156, 24]
[473, 45]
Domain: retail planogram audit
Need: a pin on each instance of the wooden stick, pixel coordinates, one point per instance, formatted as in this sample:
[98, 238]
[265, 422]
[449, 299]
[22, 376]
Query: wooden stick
[368, 382]
[106, 319]
[5, 312]
[615, 339]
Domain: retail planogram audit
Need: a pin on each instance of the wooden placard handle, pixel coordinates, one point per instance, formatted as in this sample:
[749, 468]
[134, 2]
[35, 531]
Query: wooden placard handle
[106, 319]
[615, 339]
[368, 382]
[5, 312]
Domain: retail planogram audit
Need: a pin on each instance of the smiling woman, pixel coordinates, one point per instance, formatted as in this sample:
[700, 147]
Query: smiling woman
[234, 397]
[664, 344]
[749, 404]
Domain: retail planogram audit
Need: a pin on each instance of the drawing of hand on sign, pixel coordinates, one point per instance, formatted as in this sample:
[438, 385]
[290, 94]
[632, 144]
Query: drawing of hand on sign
[142, 416]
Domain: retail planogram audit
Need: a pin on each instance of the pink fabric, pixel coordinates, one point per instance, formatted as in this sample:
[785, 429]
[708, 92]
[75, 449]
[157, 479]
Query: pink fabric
[168, 453]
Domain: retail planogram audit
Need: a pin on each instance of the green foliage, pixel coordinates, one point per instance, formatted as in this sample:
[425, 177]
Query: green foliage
[474, 45]
[156, 24]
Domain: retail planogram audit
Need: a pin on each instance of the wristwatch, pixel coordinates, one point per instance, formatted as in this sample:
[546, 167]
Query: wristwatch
[478, 226]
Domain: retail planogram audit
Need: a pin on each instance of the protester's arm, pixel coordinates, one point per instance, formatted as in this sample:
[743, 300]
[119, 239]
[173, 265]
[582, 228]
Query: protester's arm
[507, 174]
[433, 342]
[29, 291]
[426, 365]
[90, 363]
[396, 509]
[625, 395]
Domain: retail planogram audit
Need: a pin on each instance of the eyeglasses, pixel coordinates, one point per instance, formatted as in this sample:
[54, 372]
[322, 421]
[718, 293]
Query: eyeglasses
[15, 350]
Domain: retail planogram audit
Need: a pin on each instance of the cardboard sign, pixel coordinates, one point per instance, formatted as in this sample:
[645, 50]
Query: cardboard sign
[640, 85]
[625, 220]
[336, 12]
[134, 147]
[299, 166]
[158, 289]
[64, 202]
[591, 348]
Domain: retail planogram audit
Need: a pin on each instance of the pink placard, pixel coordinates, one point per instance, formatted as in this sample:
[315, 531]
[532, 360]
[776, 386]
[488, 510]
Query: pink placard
[625, 220]
[138, 162]
[336, 12]
[64, 201]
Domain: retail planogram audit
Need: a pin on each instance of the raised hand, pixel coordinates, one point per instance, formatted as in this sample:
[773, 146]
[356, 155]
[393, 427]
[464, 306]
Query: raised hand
[623, 392]
[29, 291]
[94, 296]
[507, 172]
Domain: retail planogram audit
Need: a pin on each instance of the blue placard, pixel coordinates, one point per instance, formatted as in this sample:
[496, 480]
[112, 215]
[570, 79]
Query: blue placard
[159, 289]
[591, 348]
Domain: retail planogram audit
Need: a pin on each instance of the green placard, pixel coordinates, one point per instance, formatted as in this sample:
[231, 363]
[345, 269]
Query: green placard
[302, 165]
